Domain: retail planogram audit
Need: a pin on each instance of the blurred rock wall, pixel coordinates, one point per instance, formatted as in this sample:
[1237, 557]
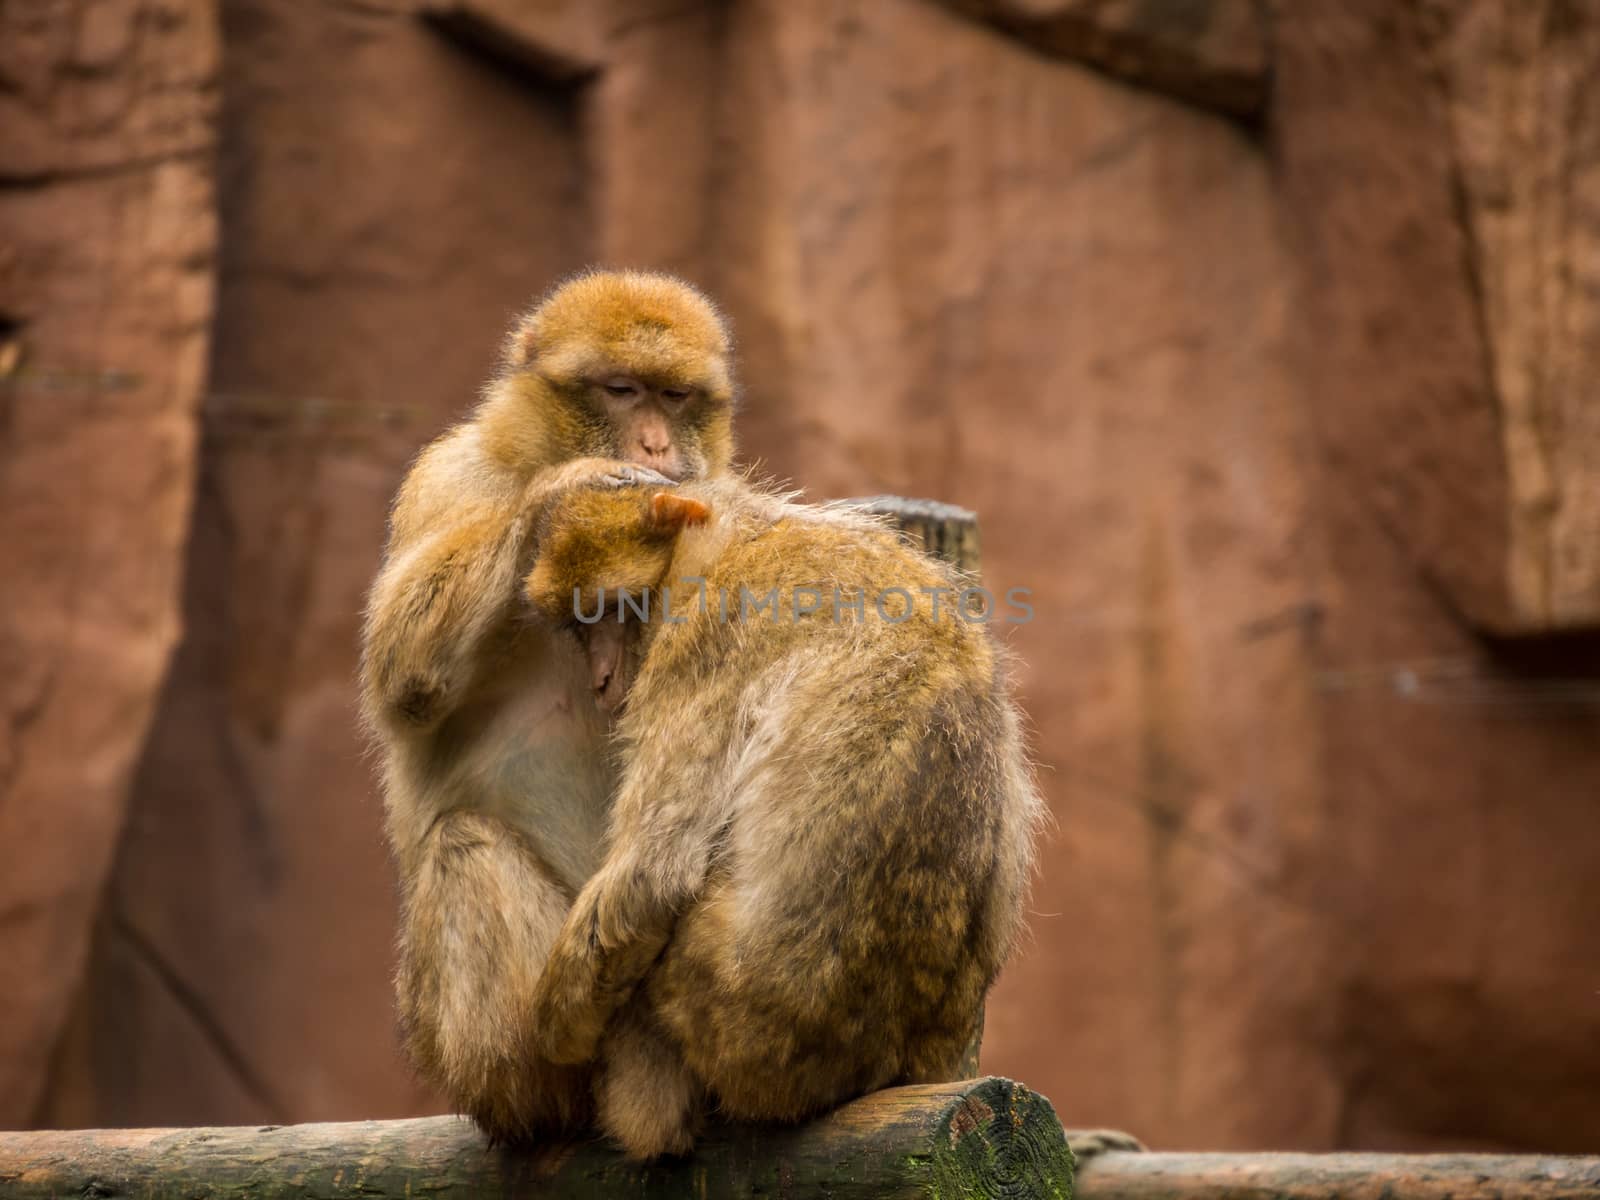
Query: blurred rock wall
[1260, 336]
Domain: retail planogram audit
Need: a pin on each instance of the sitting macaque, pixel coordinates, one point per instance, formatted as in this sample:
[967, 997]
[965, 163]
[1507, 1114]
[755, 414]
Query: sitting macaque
[496, 782]
[817, 853]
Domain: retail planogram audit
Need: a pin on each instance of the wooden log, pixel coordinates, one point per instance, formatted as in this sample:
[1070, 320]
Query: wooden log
[989, 1137]
[1146, 1176]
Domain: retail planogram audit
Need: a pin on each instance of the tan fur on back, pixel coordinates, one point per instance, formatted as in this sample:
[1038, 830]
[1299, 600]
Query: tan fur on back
[822, 832]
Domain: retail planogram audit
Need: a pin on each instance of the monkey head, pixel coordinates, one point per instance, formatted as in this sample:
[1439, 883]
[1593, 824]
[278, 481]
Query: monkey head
[629, 365]
[596, 547]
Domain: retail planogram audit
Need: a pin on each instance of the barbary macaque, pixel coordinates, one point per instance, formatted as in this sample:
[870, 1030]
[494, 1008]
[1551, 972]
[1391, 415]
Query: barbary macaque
[495, 776]
[823, 828]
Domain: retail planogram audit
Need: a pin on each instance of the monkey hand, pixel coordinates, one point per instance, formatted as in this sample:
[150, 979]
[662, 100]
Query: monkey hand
[631, 474]
[567, 1018]
[587, 473]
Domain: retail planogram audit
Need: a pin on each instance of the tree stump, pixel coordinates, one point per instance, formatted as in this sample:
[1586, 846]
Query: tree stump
[943, 530]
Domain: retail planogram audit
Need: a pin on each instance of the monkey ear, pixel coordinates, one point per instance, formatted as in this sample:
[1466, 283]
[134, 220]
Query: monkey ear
[520, 347]
[670, 513]
[539, 587]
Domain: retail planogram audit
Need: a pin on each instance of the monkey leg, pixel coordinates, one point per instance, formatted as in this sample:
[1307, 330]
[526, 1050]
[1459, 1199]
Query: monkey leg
[613, 933]
[432, 607]
[620, 922]
[647, 1099]
[480, 915]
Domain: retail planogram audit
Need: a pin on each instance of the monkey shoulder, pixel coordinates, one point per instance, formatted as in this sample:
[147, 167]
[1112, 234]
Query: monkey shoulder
[451, 478]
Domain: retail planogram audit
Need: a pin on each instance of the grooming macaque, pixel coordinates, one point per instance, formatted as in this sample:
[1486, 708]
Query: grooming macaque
[822, 831]
[495, 774]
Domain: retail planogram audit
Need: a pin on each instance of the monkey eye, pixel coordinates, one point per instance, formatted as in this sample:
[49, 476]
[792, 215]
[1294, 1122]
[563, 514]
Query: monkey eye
[675, 395]
[621, 387]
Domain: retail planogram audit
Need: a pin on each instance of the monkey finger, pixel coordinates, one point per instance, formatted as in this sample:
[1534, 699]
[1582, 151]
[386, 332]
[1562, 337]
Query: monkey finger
[630, 476]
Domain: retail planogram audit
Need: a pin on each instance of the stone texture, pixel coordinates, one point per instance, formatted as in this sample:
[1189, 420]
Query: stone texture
[1458, 848]
[1209, 52]
[1369, 199]
[1441, 160]
[1522, 82]
[1290, 857]
[1248, 407]
[107, 239]
[558, 39]
[658, 164]
[100, 85]
[945, 247]
[376, 245]
[1458, 863]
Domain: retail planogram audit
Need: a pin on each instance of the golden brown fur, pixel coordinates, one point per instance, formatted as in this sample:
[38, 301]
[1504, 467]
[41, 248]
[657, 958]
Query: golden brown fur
[496, 783]
[820, 838]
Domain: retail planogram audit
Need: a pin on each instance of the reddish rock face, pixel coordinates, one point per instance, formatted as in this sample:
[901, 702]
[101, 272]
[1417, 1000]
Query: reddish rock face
[1243, 382]
[107, 245]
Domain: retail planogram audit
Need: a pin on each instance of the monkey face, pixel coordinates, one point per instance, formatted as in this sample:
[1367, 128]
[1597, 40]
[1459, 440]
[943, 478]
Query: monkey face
[651, 423]
[623, 364]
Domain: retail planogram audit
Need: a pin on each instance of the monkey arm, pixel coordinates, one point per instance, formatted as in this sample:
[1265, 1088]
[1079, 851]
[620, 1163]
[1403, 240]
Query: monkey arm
[434, 603]
[624, 916]
[617, 927]
[584, 472]
[450, 579]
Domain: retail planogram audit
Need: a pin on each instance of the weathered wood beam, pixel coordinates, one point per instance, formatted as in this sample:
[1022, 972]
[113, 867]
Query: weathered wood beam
[1125, 1176]
[988, 1137]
